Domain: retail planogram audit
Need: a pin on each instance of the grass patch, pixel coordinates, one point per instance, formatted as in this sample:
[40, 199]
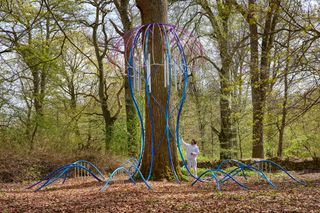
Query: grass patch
[199, 171]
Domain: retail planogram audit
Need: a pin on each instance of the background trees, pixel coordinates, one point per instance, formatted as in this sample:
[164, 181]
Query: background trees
[255, 92]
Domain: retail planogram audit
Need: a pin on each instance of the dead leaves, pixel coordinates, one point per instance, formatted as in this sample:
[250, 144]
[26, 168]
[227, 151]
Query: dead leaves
[83, 196]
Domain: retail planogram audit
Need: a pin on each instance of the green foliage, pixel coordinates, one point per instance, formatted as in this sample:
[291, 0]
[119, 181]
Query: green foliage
[304, 146]
[199, 171]
[119, 139]
[70, 120]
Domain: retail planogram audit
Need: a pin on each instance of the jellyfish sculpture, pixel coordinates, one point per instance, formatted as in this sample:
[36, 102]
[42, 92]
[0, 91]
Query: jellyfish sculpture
[144, 46]
[159, 59]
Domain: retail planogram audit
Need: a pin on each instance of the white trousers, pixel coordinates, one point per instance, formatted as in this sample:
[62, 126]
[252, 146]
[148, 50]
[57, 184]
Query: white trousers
[192, 164]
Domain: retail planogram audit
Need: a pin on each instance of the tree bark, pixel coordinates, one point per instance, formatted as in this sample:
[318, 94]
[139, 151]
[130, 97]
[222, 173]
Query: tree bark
[132, 119]
[257, 111]
[285, 100]
[109, 120]
[155, 11]
[260, 75]
[227, 135]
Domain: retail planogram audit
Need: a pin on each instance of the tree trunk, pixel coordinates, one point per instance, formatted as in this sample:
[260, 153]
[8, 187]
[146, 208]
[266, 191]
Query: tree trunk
[212, 131]
[38, 72]
[257, 111]
[240, 98]
[227, 135]
[155, 11]
[260, 77]
[73, 106]
[285, 100]
[102, 90]
[200, 113]
[201, 122]
[132, 119]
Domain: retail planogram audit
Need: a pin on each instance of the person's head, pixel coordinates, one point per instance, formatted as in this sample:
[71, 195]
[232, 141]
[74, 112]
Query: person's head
[193, 142]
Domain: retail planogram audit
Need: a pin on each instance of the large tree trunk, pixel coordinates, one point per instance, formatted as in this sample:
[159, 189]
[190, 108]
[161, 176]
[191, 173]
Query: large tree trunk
[155, 11]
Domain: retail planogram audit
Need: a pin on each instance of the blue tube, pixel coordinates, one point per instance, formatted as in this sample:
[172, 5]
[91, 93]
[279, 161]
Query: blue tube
[184, 94]
[91, 164]
[241, 167]
[115, 172]
[130, 176]
[143, 32]
[50, 175]
[130, 68]
[281, 168]
[62, 172]
[203, 174]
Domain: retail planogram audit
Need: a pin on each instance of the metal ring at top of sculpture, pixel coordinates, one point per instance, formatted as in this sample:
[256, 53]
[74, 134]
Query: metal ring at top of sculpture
[175, 75]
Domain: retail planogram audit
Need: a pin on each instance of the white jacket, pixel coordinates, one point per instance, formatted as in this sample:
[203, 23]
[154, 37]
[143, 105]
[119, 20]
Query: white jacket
[192, 150]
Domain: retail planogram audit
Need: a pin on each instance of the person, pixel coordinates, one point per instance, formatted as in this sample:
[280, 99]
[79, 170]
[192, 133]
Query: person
[192, 154]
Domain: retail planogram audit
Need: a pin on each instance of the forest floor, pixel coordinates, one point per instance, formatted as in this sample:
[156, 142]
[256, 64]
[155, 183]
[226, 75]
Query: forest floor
[82, 195]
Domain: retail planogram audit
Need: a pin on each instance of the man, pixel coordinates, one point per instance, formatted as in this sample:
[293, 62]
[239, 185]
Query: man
[192, 153]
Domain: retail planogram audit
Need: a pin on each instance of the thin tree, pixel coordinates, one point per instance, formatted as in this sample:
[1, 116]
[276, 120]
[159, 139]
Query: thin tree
[220, 26]
[259, 64]
[123, 7]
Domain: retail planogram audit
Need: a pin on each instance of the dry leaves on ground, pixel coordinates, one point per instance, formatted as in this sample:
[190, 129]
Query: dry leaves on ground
[83, 196]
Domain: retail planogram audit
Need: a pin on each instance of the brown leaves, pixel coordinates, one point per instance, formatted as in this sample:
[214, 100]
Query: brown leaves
[84, 196]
